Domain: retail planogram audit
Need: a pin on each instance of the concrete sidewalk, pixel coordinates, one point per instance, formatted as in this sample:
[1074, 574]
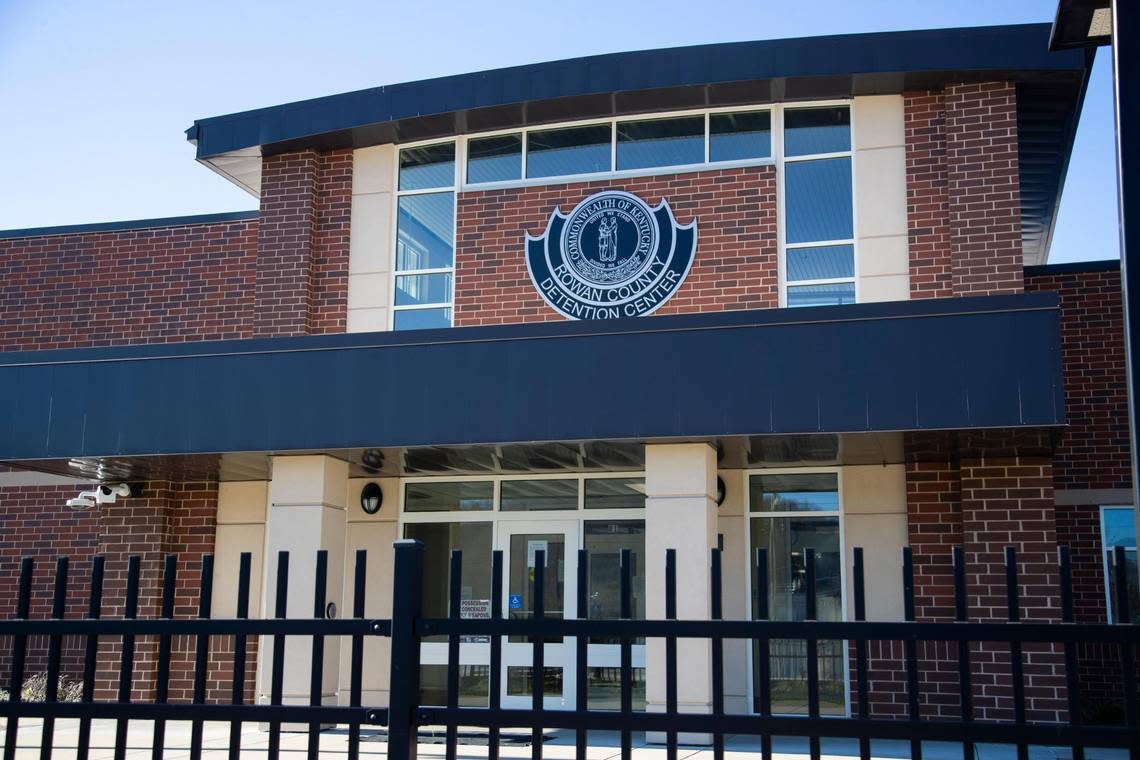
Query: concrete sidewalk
[558, 746]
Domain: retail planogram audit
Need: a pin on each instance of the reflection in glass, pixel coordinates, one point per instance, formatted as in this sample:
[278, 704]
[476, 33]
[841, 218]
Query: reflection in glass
[577, 150]
[615, 493]
[439, 540]
[818, 200]
[660, 142]
[427, 166]
[524, 550]
[740, 136]
[494, 159]
[604, 541]
[425, 232]
[416, 289]
[786, 539]
[520, 681]
[816, 130]
[1131, 571]
[821, 263]
[603, 688]
[835, 294]
[529, 495]
[421, 319]
[447, 496]
[1119, 527]
[796, 492]
[474, 685]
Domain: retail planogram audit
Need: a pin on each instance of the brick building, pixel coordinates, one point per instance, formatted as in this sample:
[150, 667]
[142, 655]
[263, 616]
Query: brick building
[813, 311]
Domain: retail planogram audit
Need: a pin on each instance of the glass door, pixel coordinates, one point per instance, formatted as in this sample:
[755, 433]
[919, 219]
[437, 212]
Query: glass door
[521, 542]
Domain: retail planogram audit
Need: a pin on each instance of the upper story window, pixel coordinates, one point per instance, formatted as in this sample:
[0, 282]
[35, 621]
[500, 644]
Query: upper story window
[620, 145]
[425, 237]
[819, 220]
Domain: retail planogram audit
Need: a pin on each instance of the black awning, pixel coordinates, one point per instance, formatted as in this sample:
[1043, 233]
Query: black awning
[918, 365]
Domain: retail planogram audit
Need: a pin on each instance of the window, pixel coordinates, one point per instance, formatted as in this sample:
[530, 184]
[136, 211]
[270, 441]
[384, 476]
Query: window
[1118, 528]
[576, 150]
[790, 513]
[425, 238]
[494, 159]
[660, 142]
[819, 220]
[740, 136]
[449, 496]
[520, 495]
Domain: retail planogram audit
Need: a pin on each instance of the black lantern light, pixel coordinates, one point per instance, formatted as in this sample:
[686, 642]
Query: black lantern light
[371, 498]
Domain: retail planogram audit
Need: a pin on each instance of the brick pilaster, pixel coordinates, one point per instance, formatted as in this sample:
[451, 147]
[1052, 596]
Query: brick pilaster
[983, 189]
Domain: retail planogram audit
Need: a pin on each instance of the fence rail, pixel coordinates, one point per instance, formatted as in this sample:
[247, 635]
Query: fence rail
[408, 626]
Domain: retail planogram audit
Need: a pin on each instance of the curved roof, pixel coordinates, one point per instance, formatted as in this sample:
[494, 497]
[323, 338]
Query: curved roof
[1051, 88]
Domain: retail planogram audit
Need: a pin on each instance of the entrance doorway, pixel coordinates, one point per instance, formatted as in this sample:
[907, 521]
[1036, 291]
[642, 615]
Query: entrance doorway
[521, 516]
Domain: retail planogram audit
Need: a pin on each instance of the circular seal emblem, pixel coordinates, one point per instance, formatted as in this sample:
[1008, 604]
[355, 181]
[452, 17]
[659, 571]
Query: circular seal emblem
[612, 256]
[609, 238]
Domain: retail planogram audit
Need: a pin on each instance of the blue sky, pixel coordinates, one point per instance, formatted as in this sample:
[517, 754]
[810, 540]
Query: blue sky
[96, 95]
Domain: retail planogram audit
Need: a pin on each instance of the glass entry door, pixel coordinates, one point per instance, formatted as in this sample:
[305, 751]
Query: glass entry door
[521, 543]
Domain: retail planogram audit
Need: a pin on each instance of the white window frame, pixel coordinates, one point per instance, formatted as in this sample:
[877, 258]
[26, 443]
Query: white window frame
[781, 195]
[598, 655]
[1106, 566]
[776, 159]
[839, 513]
[395, 235]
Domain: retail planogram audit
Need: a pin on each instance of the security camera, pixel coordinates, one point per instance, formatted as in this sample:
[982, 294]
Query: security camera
[102, 494]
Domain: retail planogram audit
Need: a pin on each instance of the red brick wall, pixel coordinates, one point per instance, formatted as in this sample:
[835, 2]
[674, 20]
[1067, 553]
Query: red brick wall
[927, 202]
[963, 190]
[736, 263]
[983, 188]
[1093, 450]
[35, 523]
[191, 282]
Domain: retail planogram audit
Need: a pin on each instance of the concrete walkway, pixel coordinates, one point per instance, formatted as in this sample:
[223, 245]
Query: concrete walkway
[559, 745]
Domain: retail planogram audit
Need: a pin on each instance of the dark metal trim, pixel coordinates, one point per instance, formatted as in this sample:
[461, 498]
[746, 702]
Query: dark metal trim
[1073, 267]
[132, 224]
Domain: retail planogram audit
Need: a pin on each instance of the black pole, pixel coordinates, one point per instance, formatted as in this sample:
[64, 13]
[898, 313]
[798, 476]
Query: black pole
[404, 673]
[1125, 59]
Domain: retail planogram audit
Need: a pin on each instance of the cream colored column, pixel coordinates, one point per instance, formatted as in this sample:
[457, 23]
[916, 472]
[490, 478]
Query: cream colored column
[241, 528]
[874, 517]
[370, 238]
[878, 135]
[307, 500]
[375, 534]
[732, 524]
[680, 513]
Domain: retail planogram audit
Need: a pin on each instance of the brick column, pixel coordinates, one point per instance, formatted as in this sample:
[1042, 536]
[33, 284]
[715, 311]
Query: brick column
[983, 188]
[1007, 500]
[167, 518]
[302, 247]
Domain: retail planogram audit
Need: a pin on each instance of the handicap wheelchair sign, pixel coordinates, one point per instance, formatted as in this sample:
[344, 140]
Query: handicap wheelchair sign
[515, 601]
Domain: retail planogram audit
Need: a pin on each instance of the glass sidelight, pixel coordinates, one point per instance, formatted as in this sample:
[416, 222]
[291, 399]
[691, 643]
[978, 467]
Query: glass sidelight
[521, 591]
[791, 514]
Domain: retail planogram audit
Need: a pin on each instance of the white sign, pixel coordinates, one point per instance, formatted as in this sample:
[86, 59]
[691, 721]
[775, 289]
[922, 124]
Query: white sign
[534, 545]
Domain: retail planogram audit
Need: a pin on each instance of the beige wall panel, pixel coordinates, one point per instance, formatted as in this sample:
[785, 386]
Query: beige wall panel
[368, 291]
[878, 121]
[882, 537]
[242, 502]
[884, 256]
[229, 542]
[880, 192]
[374, 169]
[367, 320]
[376, 538]
[874, 489]
[370, 237]
[894, 287]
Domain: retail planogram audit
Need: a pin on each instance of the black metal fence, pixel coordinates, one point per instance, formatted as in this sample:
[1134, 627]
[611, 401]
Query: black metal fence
[408, 627]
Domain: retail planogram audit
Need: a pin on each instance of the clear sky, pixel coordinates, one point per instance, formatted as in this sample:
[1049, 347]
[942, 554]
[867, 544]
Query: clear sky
[94, 96]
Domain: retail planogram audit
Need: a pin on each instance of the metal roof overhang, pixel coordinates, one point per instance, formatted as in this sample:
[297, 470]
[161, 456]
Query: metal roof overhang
[983, 362]
[1051, 88]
